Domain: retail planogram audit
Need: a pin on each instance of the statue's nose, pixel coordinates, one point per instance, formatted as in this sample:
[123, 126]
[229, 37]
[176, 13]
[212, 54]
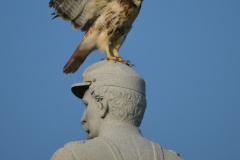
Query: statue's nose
[83, 120]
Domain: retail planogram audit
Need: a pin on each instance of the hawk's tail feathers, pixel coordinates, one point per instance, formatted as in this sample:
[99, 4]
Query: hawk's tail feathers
[76, 60]
[87, 45]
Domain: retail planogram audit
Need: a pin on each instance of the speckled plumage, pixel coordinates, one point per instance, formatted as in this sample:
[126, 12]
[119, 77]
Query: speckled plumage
[106, 22]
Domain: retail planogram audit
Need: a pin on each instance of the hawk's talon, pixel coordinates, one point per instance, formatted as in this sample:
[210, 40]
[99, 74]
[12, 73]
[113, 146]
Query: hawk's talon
[125, 62]
[131, 65]
[110, 58]
[119, 59]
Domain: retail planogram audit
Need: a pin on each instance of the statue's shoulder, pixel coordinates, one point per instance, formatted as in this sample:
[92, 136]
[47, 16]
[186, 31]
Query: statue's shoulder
[104, 148]
[171, 155]
[74, 143]
[88, 149]
[167, 154]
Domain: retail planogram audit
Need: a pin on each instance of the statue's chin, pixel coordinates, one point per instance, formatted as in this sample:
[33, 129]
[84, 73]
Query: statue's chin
[89, 136]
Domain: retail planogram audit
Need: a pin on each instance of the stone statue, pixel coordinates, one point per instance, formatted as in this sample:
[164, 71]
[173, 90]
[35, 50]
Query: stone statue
[114, 96]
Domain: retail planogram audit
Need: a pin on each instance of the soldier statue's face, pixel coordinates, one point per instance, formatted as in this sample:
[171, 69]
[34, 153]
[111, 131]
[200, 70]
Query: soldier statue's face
[91, 118]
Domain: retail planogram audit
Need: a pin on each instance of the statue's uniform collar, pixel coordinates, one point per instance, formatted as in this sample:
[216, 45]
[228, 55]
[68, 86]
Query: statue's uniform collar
[121, 129]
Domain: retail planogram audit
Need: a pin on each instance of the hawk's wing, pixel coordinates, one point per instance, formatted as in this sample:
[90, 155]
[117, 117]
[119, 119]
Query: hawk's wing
[82, 13]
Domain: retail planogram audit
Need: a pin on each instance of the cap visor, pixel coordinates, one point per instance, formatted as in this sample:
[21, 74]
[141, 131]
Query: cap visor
[79, 89]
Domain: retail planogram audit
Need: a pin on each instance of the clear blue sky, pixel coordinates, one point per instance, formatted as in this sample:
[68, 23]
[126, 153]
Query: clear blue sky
[187, 51]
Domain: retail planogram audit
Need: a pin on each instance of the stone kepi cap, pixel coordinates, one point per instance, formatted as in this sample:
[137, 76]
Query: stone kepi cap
[109, 73]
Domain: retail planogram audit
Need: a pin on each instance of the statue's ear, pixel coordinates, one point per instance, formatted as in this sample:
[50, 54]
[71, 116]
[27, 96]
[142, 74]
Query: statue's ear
[104, 108]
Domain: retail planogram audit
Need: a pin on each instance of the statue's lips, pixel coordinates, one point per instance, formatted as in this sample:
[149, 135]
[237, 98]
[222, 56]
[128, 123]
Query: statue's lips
[85, 128]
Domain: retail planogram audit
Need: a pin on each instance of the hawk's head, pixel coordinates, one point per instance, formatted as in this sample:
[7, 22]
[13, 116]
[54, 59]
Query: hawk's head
[137, 3]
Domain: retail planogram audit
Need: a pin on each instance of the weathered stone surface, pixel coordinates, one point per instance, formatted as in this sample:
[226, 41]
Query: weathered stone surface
[114, 95]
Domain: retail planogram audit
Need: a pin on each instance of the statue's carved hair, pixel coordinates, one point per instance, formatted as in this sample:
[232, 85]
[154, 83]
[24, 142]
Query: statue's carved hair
[124, 104]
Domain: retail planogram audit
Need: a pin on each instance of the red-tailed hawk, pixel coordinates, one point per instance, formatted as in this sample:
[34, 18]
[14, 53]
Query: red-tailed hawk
[106, 22]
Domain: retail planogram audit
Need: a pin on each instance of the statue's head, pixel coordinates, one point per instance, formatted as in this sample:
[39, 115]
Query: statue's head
[110, 89]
